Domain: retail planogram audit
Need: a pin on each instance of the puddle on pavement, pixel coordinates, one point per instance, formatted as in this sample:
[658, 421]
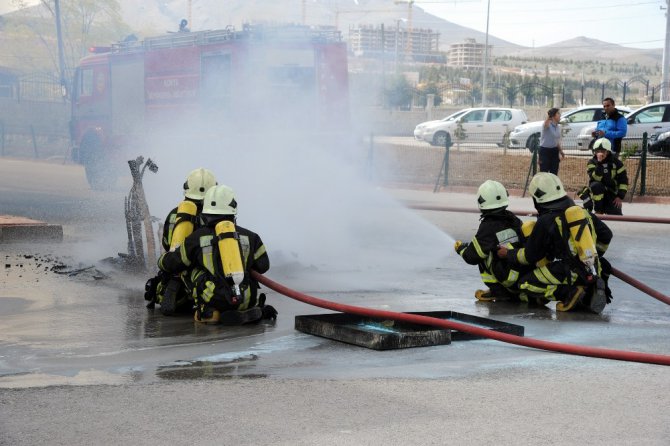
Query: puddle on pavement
[239, 368]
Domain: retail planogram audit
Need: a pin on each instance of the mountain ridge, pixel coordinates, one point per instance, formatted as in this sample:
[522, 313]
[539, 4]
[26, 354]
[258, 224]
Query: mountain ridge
[151, 17]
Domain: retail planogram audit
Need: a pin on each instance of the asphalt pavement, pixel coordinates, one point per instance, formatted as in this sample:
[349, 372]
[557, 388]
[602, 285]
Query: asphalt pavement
[82, 361]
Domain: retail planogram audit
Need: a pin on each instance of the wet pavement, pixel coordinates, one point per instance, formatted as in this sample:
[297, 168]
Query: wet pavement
[69, 318]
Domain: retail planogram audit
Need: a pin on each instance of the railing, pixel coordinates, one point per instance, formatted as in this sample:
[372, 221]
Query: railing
[470, 163]
[33, 141]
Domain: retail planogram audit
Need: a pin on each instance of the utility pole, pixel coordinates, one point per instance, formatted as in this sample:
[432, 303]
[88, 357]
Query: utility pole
[61, 57]
[665, 80]
[486, 54]
[304, 12]
[397, 33]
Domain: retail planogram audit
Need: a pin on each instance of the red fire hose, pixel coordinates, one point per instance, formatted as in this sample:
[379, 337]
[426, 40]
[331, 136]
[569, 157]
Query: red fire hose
[580, 350]
[640, 286]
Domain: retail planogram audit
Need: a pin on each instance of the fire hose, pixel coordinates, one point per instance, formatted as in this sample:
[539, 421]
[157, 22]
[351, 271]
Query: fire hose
[579, 350]
[640, 286]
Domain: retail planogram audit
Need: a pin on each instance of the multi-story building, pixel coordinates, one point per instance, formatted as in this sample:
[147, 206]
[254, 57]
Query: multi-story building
[375, 41]
[467, 54]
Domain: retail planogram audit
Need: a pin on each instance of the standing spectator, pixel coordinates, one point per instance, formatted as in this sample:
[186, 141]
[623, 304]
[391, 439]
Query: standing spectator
[551, 153]
[614, 127]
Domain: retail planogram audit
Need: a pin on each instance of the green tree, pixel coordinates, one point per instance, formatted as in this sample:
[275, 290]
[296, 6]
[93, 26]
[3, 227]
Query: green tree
[399, 93]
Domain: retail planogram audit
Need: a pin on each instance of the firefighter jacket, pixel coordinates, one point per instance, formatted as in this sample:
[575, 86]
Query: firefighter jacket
[497, 228]
[615, 127]
[611, 173]
[548, 239]
[199, 254]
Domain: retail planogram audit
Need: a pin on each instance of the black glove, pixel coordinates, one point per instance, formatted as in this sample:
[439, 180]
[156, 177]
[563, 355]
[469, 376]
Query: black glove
[150, 289]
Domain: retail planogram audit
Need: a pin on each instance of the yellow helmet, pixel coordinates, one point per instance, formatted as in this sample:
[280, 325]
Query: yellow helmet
[220, 200]
[602, 144]
[492, 195]
[546, 187]
[197, 183]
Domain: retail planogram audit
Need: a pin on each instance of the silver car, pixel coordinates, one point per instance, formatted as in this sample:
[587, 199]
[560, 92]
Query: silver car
[479, 125]
[572, 122]
[651, 118]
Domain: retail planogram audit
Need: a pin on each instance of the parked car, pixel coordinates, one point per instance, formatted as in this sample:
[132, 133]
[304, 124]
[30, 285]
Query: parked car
[572, 122]
[659, 143]
[650, 118]
[487, 125]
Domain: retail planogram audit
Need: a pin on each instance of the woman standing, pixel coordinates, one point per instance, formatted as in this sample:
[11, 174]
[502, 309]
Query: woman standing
[551, 153]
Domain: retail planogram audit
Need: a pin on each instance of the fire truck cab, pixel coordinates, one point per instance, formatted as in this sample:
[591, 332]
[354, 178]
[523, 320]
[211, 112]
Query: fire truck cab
[213, 80]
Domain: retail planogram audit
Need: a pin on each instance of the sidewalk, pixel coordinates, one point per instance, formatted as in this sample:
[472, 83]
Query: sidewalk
[464, 197]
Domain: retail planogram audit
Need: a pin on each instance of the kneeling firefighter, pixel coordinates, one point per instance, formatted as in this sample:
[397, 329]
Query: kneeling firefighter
[498, 227]
[608, 181]
[219, 256]
[572, 241]
[172, 292]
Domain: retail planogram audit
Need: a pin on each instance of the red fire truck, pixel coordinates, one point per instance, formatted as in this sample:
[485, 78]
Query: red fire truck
[216, 81]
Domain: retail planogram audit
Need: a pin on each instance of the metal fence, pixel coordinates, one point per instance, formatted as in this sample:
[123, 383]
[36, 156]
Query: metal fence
[403, 160]
[39, 87]
[33, 141]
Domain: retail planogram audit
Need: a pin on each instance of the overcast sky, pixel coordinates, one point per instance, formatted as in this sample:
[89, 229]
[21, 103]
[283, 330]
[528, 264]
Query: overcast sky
[633, 23]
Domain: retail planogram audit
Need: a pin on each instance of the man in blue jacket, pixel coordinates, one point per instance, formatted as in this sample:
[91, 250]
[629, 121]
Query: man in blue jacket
[613, 127]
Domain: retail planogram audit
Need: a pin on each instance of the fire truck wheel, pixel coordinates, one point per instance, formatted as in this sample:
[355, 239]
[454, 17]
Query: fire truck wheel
[92, 158]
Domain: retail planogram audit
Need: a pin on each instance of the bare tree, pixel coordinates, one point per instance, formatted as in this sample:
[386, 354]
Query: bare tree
[84, 23]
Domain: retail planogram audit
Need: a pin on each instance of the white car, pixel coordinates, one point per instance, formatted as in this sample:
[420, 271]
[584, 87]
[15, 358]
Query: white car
[487, 125]
[572, 122]
[650, 118]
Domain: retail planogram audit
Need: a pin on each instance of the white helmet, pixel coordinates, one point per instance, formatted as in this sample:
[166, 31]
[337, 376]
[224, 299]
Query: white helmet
[492, 195]
[546, 187]
[220, 200]
[197, 183]
[602, 144]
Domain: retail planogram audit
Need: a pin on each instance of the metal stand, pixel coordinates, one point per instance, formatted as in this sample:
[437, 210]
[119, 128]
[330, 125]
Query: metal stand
[444, 170]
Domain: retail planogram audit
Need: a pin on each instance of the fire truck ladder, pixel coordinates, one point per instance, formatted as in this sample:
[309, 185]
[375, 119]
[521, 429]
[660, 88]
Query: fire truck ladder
[281, 33]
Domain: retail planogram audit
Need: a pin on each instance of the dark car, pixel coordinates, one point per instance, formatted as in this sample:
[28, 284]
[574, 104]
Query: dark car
[659, 143]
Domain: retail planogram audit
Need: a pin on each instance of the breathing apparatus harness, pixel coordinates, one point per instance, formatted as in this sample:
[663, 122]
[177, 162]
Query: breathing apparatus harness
[580, 248]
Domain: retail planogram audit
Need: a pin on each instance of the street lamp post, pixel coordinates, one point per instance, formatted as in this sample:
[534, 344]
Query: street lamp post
[665, 83]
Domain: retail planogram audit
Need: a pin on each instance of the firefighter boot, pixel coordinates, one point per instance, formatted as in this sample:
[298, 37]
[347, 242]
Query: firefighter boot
[484, 296]
[599, 297]
[169, 298]
[207, 316]
[236, 317]
[571, 301]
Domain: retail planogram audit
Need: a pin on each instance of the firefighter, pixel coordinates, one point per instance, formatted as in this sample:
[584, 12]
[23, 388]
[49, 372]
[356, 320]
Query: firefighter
[219, 257]
[608, 180]
[568, 242]
[498, 227]
[172, 293]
